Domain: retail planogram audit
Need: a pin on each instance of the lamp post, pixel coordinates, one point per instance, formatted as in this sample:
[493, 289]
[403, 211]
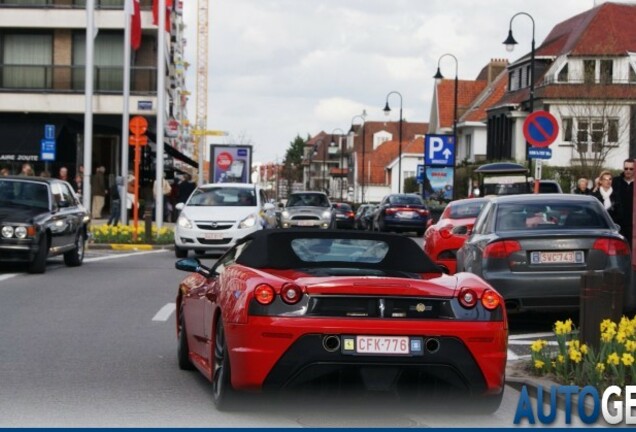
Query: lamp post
[363, 117]
[438, 79]
[333, 143]
[387, 111]
[510, 43]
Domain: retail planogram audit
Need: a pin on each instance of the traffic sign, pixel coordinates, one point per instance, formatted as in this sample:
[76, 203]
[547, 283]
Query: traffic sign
[439, 150]
[140, 140]
[47, 149]
[420, 174]
[540, 129]
[539, 153]
[49, 132]
[138, 125]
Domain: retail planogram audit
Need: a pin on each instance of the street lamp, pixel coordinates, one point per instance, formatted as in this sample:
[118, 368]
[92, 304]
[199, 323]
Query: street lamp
[333, 143]
[438, 79]
[510, 43]
[363, 117]
[387, 111]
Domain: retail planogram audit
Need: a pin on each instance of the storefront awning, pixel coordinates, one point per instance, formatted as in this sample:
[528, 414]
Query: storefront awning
[178, 155]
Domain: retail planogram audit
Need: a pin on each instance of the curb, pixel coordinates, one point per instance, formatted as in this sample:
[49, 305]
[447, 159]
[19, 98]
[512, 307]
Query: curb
[127, 247]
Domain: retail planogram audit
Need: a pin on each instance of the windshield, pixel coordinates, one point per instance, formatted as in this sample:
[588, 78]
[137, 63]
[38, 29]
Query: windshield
[308, 200]
[24, 193]
[223, 197]
[533, 216]
[340, 250]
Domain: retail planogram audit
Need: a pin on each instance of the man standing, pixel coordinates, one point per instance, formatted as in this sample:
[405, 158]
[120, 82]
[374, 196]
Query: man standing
[63, 174]
[186, 187]
[623, 186]
[98, 187]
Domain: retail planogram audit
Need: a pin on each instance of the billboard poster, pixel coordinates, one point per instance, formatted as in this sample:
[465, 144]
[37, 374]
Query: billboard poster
[438, 183]
[230, 163]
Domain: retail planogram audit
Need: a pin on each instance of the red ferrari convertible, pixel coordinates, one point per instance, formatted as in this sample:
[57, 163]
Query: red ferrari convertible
[442, 240]
[312, 309]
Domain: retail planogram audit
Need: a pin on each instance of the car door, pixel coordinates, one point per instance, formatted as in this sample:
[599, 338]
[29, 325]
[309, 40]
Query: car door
[65, 218]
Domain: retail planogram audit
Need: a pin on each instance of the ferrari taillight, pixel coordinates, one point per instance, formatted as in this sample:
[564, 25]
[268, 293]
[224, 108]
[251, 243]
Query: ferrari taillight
[291, 294]
[446, 232]
[611, 246]
[490, 299]
[501, 249]
[467, 298]
[264, 294]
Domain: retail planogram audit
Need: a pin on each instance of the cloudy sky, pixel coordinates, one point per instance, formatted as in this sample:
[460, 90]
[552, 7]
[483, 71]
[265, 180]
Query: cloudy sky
[278, 68]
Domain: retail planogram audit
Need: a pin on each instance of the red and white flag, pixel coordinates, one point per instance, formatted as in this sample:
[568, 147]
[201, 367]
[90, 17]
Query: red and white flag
[135, 23]
[155, 13]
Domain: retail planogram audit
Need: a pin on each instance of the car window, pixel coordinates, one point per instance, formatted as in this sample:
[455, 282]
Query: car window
[67, 194]
[308, 200]
[340, 250]
[342, 208]
[405, 199]
[226, 196]
[24, 193]
[480, 223]
[532, 216]
[465, 210]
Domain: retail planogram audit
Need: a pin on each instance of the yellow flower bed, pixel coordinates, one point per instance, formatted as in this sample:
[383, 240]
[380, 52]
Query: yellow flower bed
[575, 363]
[124, 234]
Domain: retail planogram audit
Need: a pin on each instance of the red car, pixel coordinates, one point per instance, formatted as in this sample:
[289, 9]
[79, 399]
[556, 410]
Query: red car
[306, 309]
[443, 239]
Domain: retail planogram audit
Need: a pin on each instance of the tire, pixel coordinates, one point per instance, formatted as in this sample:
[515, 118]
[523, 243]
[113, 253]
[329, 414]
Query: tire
[75, 257]
[182, 348]
[221, 382]
[38, 265]
[180, 252]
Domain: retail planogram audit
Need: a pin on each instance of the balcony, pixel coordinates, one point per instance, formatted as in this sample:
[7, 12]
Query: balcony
[70, 4]
[70, 79]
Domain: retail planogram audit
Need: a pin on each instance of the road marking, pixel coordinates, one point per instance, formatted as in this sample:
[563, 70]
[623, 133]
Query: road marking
[115, 256]
[165, 312]
[513, 356]
[8, 276]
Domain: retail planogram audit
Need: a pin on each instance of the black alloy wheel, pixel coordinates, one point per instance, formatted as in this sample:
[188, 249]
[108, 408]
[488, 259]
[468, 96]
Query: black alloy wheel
[221, 385]
[75, 257]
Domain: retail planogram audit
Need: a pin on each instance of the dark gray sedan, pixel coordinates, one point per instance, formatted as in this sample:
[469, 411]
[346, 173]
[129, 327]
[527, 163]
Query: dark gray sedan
[534, 248]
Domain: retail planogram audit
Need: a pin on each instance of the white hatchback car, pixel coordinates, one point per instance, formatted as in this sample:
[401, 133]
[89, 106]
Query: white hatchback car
[218, 214]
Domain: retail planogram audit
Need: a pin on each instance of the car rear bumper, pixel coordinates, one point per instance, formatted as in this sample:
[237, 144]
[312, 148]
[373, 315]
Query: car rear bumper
[405, 224]
[276, 353]
[286, 223]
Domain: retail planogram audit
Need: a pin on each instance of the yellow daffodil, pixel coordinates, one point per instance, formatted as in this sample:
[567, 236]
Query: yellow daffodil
[627, 359]
[575, 356]
[560, 359]
[621, 337]
[630, 345]
[607, 336]
[584, 348]
[538, 364]
[613, 359]
[600, 367]
[561, 328]
[538, 345]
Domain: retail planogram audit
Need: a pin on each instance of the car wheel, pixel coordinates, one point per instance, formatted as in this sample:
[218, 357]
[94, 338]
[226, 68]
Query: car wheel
[221, 383]
[180, 252]
[182, 349]
[75, 257]
[38, 265]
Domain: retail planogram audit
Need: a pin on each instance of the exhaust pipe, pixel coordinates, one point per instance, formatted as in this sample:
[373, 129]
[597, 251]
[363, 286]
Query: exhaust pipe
[432, 345]
[331, 343]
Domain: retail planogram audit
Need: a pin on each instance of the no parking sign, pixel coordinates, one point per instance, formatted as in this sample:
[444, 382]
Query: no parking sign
[540, 129]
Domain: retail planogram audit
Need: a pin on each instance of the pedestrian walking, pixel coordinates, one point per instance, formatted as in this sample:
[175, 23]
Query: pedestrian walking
[623, 186]
[115, 203]
[98, 187]
[27, 170]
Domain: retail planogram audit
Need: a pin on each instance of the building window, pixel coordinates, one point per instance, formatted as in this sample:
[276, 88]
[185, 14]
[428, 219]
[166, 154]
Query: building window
[632, 74]
[597, 136]
[27, 60]
[582, 133]
[612, 130]
[520, 79]
[597, 132]
[563, 74]
[469, 145]
[589, 71]
[528, 76]
[607, 67]
[567, 129]
[408, 174]
[109, 55]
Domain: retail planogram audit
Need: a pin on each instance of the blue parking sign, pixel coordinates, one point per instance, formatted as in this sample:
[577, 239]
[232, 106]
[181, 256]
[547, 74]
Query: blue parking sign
[439, 150]
[47, 150]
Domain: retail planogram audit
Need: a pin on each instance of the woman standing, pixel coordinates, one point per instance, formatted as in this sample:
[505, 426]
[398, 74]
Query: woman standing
[607, 196]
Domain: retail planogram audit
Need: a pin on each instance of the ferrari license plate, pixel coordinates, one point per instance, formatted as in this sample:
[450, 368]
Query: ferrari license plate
[382, 345]
[213, 236]
[563, 257]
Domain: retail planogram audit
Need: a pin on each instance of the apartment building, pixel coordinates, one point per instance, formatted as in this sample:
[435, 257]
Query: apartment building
[42, 82]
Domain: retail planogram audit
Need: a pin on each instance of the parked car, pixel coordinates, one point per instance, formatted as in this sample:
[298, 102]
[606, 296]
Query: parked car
[345, 217]
[401, 213]
[534, 249]
[41, 217]
[444, 238]
[347, 310]
[308, 210]
[217, 215]
[363, 217]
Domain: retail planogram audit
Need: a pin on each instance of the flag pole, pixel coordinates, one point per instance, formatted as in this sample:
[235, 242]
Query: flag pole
[123, 188]
[161, 111]
[88, 104]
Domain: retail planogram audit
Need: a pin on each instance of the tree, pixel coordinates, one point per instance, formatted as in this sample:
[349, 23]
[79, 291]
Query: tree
[410, 185]
[293, 162]
[595, 122]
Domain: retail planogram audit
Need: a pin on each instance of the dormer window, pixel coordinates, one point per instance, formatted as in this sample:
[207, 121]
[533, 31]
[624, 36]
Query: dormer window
[607, 70]
[632, 74]
[563, 74]
[589, 71]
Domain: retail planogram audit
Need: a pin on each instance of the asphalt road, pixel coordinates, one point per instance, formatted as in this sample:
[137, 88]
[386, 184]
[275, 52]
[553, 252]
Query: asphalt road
[95, 346]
